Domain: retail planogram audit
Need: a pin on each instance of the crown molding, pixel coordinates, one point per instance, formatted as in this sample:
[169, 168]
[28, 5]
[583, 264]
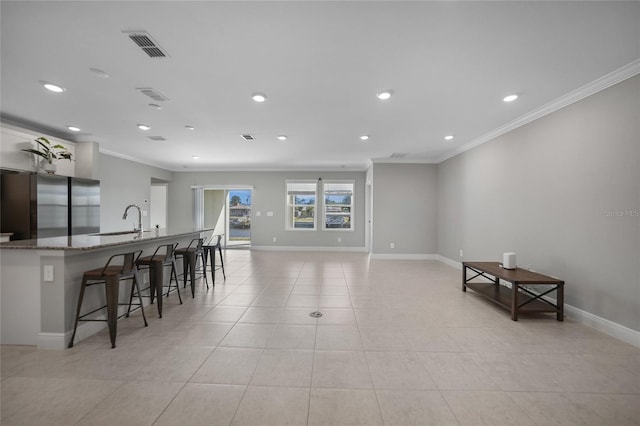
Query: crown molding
[630, 70]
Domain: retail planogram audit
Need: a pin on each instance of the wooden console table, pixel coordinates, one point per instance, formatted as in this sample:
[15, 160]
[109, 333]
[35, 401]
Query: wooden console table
[518, 298]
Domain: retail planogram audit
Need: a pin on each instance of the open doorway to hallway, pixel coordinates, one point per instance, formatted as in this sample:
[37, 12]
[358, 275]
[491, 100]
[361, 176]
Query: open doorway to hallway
[158, 204]
[228, 211]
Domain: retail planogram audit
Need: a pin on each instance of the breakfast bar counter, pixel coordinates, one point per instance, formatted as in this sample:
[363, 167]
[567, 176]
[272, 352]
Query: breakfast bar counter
[40, 281]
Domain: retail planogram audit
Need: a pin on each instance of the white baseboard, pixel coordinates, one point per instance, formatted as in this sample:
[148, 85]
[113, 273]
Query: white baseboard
[51, 341]
[61, 340]
[308, 248]
[453, 263]
[611, 328]
[402, 256]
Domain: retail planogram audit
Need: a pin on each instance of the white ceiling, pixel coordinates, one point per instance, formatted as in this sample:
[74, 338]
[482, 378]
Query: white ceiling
[320, 64]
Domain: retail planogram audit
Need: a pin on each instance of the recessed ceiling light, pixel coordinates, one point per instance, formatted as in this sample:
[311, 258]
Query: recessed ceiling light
[144, 127]
[510, 98]
[364, 137]
[99, 72]
[384, 95]
[155, 106]
[259, 97]
[73, 128]
[53, 87]
[282, 137]
[189, 127]
[448, 138]
[195, 157]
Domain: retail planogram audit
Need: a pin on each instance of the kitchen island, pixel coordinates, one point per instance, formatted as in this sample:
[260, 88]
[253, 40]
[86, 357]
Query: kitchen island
[40, 281]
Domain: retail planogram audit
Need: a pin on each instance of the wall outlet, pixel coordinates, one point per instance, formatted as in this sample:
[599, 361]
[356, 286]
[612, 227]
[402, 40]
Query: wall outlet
[275, 239]
[339, 239]
[258, 213]
[461, 253]
[270, 214]
[145, 213]
[392, 245]
[47, 273]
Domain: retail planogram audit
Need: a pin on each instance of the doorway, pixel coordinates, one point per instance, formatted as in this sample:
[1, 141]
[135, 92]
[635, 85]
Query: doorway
[239, 217]
[158, 205]
[228, 211]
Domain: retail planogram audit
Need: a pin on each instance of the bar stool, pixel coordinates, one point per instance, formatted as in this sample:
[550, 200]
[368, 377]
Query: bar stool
[111, 276]
[210, 251]
[189, 256]
[156, 264]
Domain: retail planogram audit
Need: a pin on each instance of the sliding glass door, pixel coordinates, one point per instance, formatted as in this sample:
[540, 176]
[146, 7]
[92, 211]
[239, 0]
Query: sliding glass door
[228, 211]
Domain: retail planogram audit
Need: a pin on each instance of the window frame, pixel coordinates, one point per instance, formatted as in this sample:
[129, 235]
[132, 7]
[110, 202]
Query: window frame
[290, 207]
[351, 213]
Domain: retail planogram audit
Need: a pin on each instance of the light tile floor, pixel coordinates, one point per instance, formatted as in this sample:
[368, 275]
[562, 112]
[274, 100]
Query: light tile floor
[399, 344]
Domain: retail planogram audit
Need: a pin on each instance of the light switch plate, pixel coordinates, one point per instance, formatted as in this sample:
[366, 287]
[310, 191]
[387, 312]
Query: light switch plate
[47, 273]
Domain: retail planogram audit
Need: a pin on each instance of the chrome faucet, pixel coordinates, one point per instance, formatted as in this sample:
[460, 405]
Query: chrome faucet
[124, 216]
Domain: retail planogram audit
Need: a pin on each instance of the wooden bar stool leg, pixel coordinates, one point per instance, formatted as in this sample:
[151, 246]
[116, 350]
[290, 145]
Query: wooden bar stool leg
[75, 326]
[222, 263]
[185, 269]
[204, 267]
[136, 281]
[192, 272]
[173, 275]
[212, 257]
[111, 291]
[156, 277]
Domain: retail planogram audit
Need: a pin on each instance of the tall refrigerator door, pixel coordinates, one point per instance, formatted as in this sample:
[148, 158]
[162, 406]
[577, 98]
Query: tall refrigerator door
[18, 195]
[85, 206]
[53, 207]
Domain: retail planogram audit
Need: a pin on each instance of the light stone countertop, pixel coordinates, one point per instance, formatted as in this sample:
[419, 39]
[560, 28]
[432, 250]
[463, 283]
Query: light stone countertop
[93, 241]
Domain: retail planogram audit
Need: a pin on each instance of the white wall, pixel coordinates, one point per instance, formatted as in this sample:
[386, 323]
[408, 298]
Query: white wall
[269, 194]
[562, 192]
[124, 182]
[404, 209]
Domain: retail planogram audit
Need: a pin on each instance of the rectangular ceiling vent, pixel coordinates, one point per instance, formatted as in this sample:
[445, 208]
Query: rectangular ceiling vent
[157, 138]
[398, 155]
[248, 137]
[153, 94]
[143, 40]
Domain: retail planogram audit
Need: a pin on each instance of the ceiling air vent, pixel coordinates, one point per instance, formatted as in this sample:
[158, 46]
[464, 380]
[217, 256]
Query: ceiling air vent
[152, 93]
[157, 138]
[398, 155]
[144, 41]
[248, 137]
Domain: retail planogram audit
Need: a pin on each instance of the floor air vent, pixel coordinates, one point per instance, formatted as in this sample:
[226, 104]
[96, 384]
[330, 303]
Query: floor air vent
[144, 41]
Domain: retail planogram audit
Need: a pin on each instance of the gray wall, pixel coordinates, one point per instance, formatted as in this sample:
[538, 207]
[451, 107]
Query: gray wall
[404, 208]
[555, 192]
[124, 182]
[269, 194]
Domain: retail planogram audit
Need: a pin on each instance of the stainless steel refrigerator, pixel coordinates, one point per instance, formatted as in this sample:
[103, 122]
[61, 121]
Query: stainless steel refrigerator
[39, 206]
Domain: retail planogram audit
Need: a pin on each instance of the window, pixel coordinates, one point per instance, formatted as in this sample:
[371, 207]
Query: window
[301, 205]
[338, 205]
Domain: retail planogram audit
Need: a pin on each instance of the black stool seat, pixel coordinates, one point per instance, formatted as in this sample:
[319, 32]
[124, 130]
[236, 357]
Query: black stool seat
[111, 276]
[156, 264]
